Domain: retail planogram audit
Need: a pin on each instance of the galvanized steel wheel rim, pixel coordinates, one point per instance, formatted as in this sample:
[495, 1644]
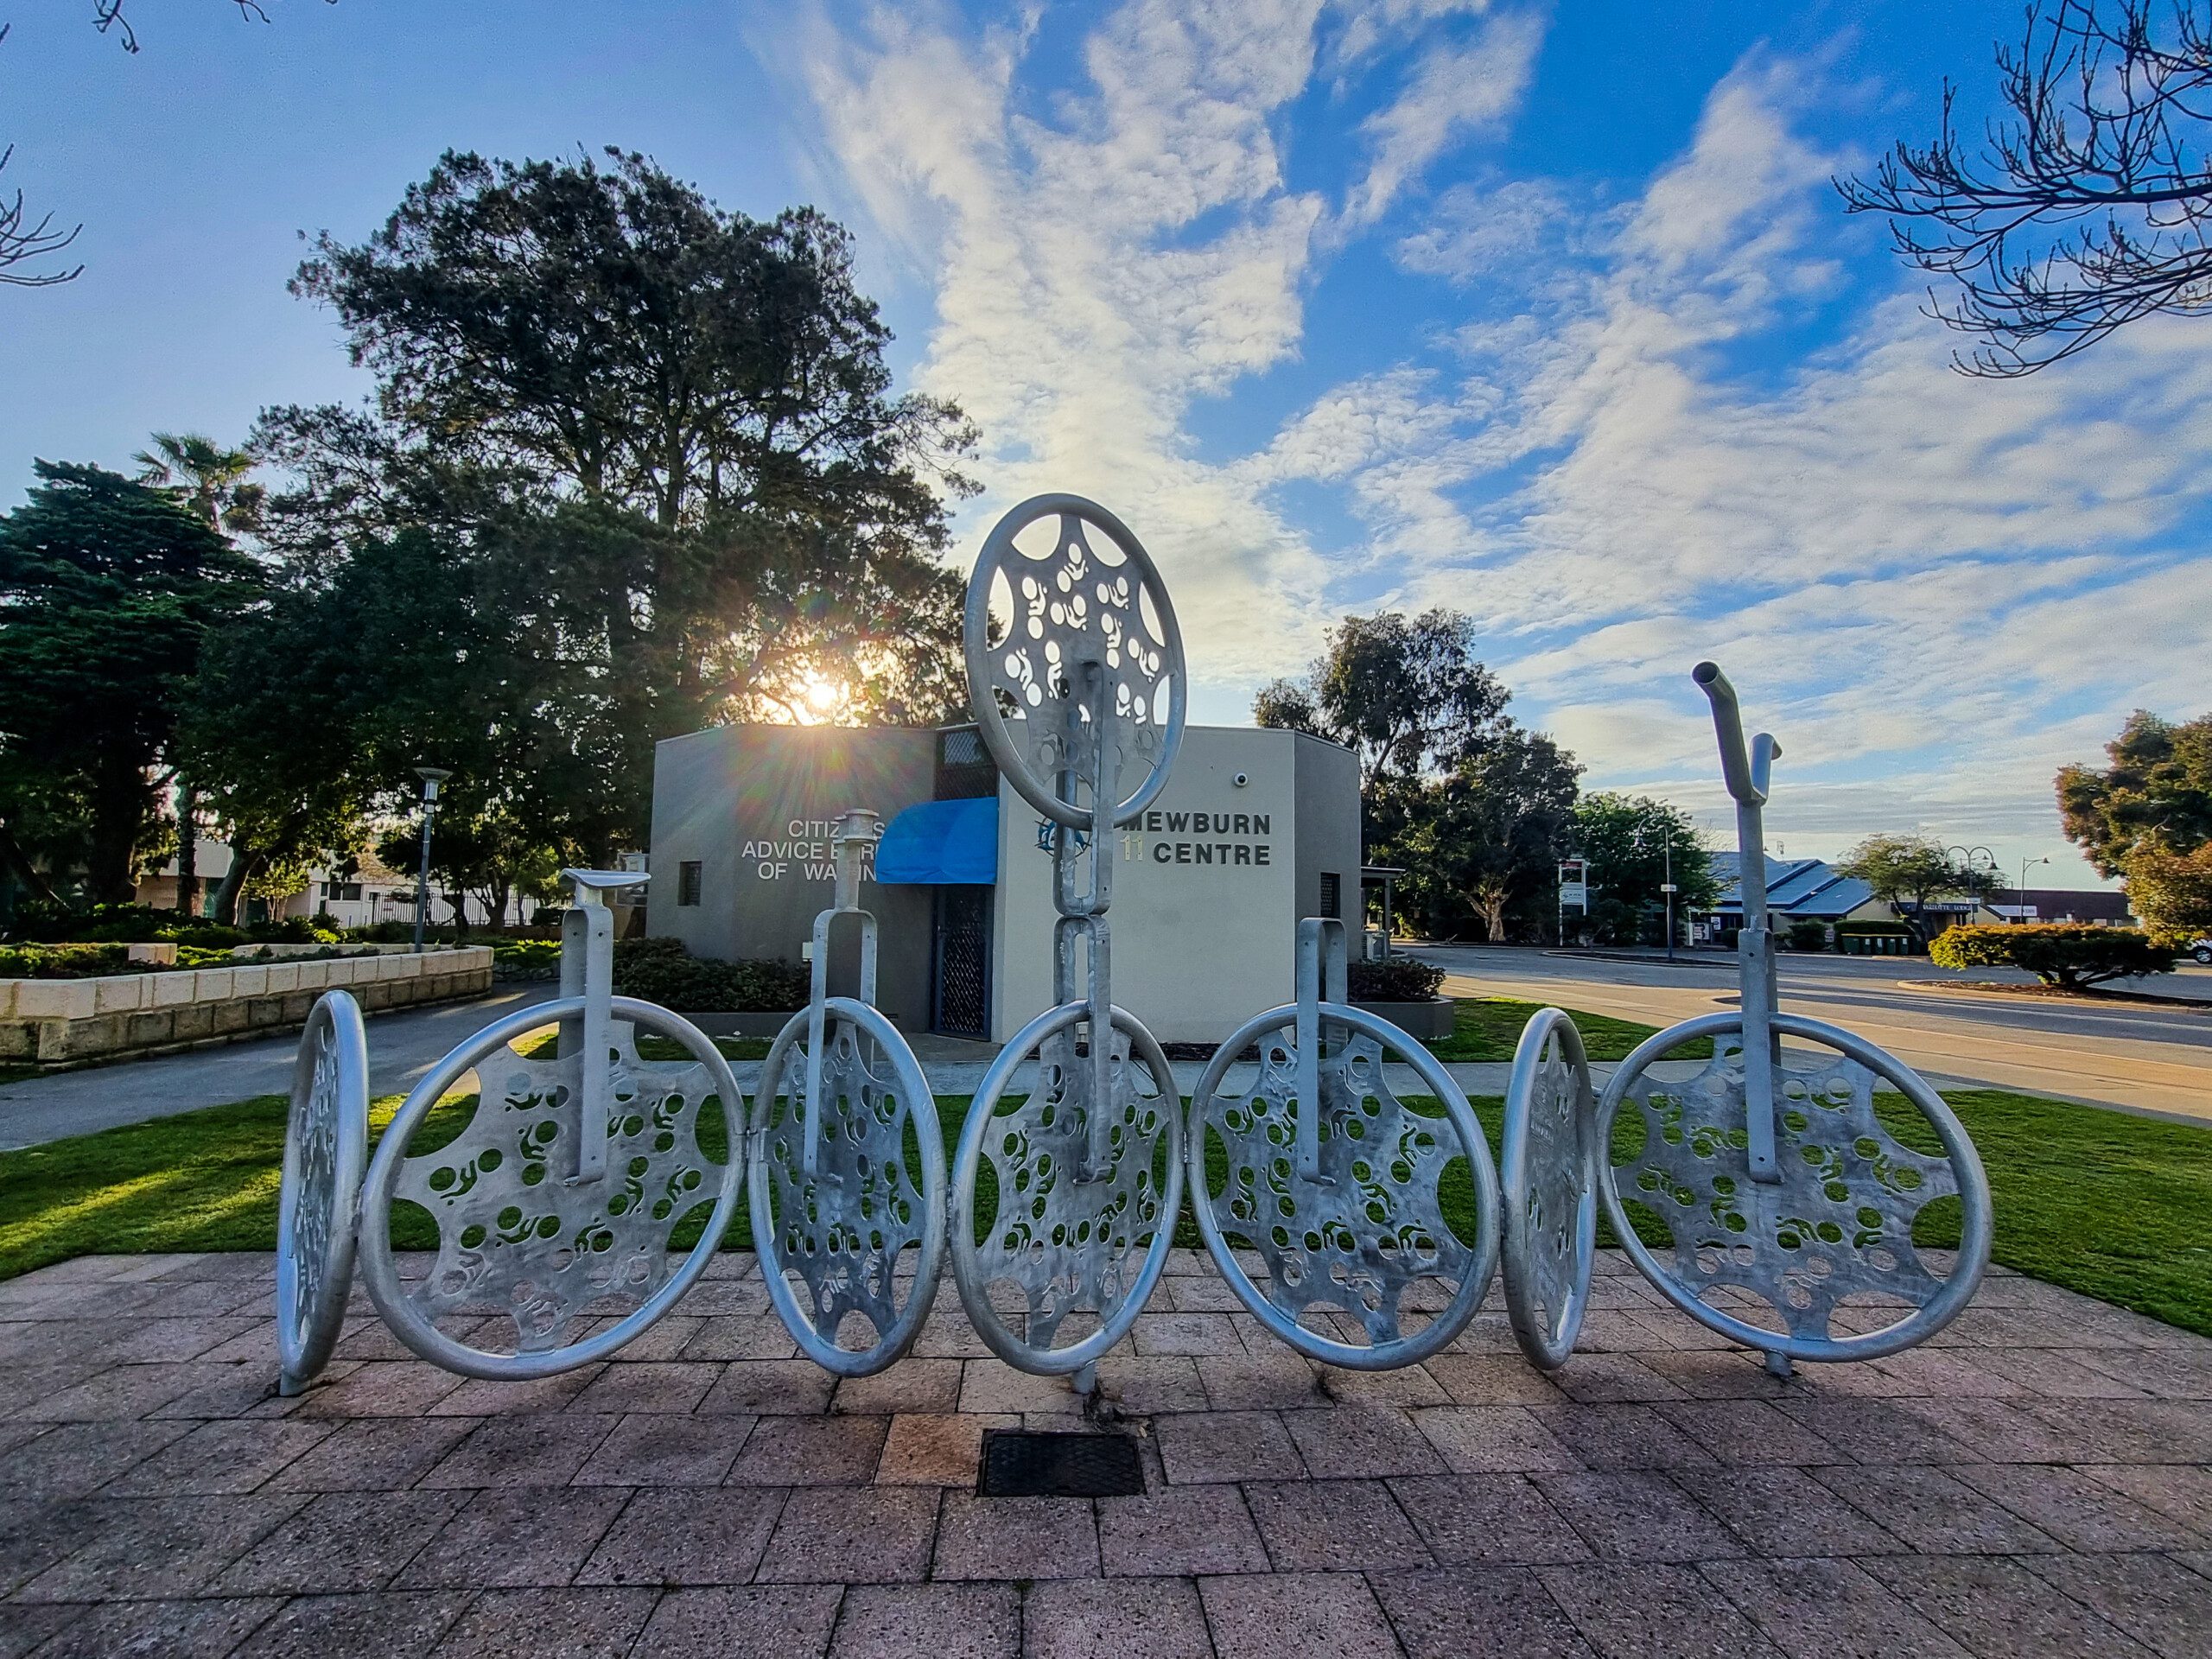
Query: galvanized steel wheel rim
[1302, 1286]
[1790, 1261]
[1115, 1296]
[380, 1270]
[838, 1278]
[1550, 1241]
[326, 1149]
[1107, 608]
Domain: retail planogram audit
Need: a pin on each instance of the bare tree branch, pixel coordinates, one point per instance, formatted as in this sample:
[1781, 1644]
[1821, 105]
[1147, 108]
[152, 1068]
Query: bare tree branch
[2088, 204]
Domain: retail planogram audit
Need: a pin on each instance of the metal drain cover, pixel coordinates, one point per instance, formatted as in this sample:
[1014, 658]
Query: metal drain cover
[1018, 1463]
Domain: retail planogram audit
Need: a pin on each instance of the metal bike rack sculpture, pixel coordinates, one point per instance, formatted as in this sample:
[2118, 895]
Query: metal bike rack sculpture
[835, 1203]
[1086, 689]
[1771, 1170]
[555, 1203]
[1548, 1170]
[1333, 1180]
[325, 1147]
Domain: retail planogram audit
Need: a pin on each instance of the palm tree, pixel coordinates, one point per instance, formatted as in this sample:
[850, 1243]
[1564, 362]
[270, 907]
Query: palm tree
[211, 478]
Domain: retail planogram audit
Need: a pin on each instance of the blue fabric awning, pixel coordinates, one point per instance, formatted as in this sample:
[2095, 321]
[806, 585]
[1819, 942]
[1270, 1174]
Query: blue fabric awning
[945, 842]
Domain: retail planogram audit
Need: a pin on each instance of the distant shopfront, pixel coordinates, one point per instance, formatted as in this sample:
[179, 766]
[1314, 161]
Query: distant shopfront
[1255, 829]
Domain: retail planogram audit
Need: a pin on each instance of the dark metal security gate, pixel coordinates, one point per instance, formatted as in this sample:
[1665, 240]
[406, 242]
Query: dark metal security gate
[960, 972]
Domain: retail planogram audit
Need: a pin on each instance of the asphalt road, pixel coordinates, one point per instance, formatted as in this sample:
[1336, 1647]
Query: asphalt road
[2142, 1058]
[403, 1046]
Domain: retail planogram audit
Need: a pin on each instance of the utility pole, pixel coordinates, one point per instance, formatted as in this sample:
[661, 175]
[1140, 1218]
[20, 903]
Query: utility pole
[432, 777]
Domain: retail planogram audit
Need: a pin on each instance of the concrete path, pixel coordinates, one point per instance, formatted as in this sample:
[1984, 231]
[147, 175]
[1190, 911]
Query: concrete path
[402, 1045]
[2036, 1482]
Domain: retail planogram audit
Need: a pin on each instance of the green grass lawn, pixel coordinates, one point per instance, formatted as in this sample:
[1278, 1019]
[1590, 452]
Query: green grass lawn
[2115, 1206]
[1487, 1027]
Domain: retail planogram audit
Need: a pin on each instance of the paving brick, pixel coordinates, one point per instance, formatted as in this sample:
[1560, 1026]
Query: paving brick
[1781, 1511]
[481, 1397]
[771, 1387]
[341, 1542]
[926, 1450]
[648, 1386]
[157, 1547]
[1653, 1611]
[1179, 1530]
[945, 1621]
[375, 1454]
[1213, 1446]
[77, 1458]
[1259, 1382]
[1995, 1429]
[2080, 1511]
[1185, 1333]
[1290, 1615]
[1129, 1619]
[1469, 1520]
[1493, 1440]
[398, 1624]
[513, 1536]
[1637, 1517]
[404, 1388]
[2181, 1491]
[1402, 1386]
[775, 1621]
[1142, 1387]
[198, 1628]
[549, 1625]
[534, 1451]
[1828, 1610]
[1015, 1538]
[117, 1394]
[1599, 1379]
[1745, 1431]
[992, 1385]
[2162, 1605]
[2130, 1431]
[740, 1336]
[1492, 1380]
[1874, 1431]
[811, 1451]
[1352, 1441]
[659, 1449]
[847, 1534]
[1622, 1436]
[1451, 1612]
[1932, 1512]
[686, 1536]
[226, 1457]
[1334, 1526]
[910, 1385]
[1996, 1606]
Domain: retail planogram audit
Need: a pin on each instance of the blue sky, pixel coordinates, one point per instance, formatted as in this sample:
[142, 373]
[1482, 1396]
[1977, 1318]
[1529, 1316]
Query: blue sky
[1544, 314]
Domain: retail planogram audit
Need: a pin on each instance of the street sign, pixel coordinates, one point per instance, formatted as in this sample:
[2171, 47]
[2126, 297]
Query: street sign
[1573, 882]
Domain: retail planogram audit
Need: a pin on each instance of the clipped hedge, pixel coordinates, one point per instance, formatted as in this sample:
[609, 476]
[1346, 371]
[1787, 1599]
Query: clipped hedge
[663, 971]
[1395, 979]
[2071, 956]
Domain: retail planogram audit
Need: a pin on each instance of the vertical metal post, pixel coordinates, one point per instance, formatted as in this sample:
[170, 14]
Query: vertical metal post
[857, 828]
[431, 777]
[1323, 976]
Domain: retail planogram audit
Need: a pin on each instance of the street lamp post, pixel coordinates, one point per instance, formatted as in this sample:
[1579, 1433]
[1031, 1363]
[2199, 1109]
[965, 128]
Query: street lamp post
[2022, 906]
[431, 777]
[1666, 880]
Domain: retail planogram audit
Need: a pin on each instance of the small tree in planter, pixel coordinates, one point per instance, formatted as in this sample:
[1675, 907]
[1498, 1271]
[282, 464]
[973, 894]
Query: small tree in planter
[2071, 957]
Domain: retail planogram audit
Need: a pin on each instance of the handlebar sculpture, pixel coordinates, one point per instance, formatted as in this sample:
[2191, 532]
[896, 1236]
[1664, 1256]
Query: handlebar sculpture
[1773, 1172]
[1335, 1182]
[847, 1169]
[1078, 688]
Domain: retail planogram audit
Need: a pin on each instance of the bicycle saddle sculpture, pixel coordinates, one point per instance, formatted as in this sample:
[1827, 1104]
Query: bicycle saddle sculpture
[1774, 1171]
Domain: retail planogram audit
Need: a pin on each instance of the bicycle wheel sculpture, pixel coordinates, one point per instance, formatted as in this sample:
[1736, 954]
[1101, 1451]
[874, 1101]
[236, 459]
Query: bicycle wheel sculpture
[1078, 688]
[1335, 1182]
[556, 1202]
[848, 1161]
[325, 1146]
[1550, 1184]
[1779, 1180]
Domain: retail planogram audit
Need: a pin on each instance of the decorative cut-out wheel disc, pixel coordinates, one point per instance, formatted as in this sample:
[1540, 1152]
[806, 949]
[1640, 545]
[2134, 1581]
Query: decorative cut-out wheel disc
[326, 1147]
[516, 1236]
[1077, 587]
[864, 1235]
[1827, 1251]
[1056, 1245]
[1550, 1189]
[1369, 1245]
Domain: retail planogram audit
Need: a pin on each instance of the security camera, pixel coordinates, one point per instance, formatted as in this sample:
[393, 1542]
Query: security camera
[1241, 779]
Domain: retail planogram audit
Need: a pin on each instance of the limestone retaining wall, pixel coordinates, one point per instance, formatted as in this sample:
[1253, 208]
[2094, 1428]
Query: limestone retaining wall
[60, 1023]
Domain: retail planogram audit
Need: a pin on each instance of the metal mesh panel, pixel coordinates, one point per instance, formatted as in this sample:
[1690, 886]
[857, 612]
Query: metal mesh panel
[961, 995]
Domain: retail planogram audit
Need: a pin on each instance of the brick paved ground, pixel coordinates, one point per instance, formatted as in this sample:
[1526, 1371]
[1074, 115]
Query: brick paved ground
[2035, 1482]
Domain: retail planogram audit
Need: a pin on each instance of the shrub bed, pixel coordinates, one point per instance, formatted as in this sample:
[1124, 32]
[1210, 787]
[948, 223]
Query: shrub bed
[2071, 956]
[663, 971]
[1395, 979]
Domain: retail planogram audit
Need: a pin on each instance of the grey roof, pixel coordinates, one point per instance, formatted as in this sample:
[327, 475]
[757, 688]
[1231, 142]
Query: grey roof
[1795, 887]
